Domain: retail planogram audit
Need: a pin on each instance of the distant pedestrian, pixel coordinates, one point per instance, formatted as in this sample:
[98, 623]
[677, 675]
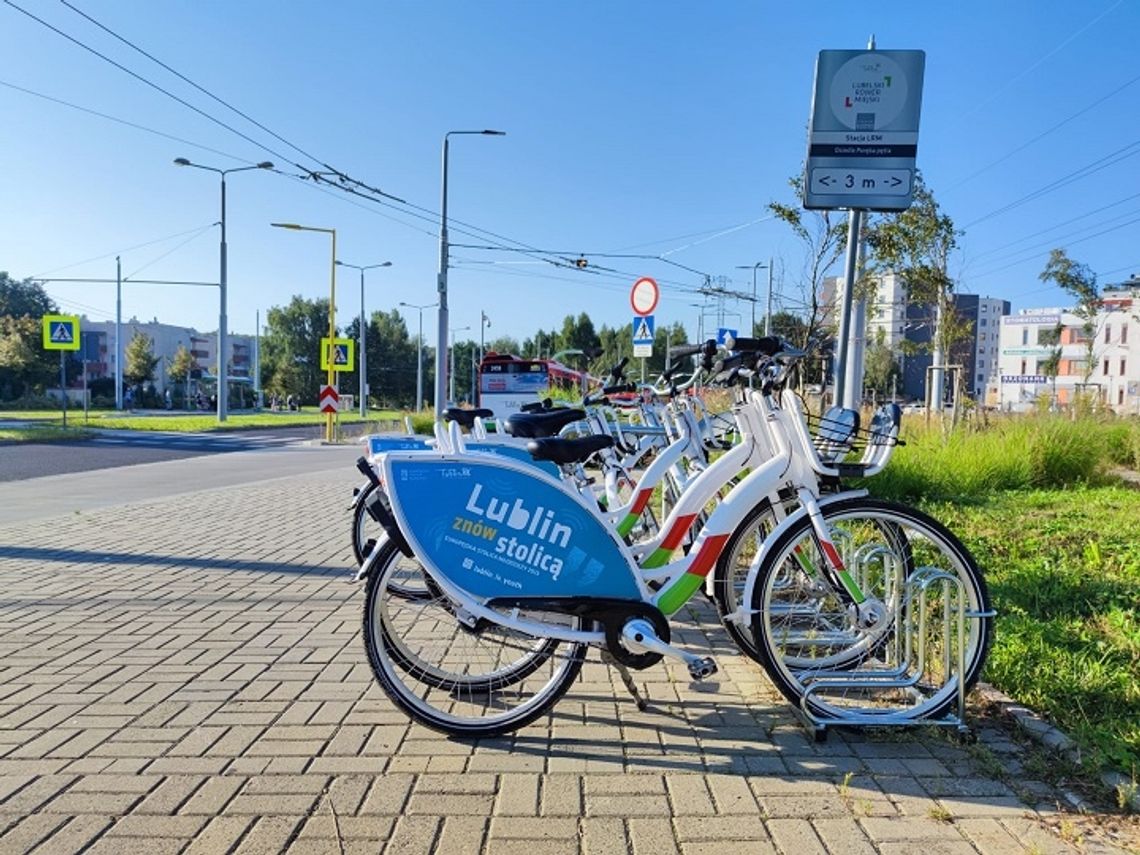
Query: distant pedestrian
[169, 400]
[129, 399]
[290, 402]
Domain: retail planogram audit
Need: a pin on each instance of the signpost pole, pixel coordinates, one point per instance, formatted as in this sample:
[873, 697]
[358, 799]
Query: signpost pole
[63, 386]
[839, 369]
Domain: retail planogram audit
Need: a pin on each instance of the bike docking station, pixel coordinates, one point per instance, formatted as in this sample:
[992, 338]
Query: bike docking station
[923, 644]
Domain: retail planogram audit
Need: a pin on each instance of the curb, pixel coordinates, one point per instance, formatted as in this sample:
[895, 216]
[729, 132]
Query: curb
[1046, 734]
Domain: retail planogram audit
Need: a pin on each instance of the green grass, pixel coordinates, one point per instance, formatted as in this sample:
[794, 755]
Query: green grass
[1020, 453]
[1034, 499]
[44, 434]
[1063, 568]
[186, 422]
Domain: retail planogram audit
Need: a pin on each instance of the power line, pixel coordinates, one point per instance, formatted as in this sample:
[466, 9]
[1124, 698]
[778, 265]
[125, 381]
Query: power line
[1036, 253]
[1042, 60]
[196, 232]
[1055, 226]
[150, 83]
[1061, 239]
[1130, 150]
[186, 79]
[170, 251]
[124, 122]
[1043, 134]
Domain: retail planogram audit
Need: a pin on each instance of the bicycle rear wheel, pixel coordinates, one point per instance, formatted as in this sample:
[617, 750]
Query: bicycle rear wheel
[474, 681]
[906, 664]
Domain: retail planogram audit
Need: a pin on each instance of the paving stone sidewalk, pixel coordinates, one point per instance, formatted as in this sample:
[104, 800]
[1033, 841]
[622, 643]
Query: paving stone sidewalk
[187, 675]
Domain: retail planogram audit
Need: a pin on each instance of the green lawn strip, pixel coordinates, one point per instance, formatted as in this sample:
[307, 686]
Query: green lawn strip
[1063, 568]
[113, 420]
[44, 434]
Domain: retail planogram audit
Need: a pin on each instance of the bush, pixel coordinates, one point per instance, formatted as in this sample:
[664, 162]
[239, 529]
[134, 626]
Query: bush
[1016, 453]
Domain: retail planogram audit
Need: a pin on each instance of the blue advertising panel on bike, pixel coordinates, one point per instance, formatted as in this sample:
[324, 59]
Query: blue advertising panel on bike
[496, 531]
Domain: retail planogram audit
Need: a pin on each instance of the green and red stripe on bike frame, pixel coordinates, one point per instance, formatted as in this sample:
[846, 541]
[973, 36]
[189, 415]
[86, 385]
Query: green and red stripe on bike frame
[677, 594]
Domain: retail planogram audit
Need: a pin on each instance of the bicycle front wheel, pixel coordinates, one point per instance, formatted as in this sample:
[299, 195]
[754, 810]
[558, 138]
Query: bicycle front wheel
[476, 680]
[933, 605]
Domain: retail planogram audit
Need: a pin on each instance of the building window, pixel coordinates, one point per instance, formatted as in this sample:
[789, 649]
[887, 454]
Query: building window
[982, 322]
[984, 307]
[981, 350]
[1122, 366]
[1023, 368]
[1119, 397]
[1106, 366]
[1124, 334]
[1025, 335]
[1108, 333]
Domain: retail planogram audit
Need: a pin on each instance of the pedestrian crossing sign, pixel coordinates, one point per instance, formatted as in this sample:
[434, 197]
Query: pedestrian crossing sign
[61, 332]
[343, 353]
[643, 335]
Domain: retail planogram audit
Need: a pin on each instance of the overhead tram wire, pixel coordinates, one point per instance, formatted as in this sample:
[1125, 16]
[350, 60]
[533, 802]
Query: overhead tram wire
[152, 84]
[195, 232]
[1038, 252]
[169, 252]
[1042, 135]
[187, 80]
[342, 177]
[1123, 153]
[999, 90]
[124, 122]
[1054, 227]
[1062, 238]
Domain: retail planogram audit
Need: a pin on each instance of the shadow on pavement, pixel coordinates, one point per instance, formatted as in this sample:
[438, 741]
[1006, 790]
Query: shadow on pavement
[34, 553]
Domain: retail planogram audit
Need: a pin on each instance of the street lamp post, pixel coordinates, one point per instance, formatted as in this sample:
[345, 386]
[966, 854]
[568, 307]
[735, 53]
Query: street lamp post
[332, 309]
[361, 340]
[451, 360]
[768, 302]
[441, 280]
[223, 389]
[420, 357]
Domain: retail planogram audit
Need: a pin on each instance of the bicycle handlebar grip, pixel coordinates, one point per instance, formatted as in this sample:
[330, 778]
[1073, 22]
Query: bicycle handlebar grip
[769, 345]
[367, 471]
[728, 363]
[616, 371]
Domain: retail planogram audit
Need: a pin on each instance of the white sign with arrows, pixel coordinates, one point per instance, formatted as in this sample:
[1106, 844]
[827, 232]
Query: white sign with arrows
[863, 136]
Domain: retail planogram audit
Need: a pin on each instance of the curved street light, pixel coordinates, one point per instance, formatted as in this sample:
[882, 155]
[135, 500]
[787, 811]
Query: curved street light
[223, 374]
[361, 340]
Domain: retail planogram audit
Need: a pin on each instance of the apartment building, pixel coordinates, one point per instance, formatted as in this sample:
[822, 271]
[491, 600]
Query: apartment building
[167, 339]
[1030, 338]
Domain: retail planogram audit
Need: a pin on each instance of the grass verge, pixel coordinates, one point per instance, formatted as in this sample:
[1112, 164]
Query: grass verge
[44, 434]
[198, 422]
[1063, 567]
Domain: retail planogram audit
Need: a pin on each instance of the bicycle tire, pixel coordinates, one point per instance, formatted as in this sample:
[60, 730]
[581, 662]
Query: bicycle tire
[934, 546]
[453, 679]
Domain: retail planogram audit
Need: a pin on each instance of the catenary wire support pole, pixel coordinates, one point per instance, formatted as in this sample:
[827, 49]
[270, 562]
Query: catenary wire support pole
[441, 366]
[118, 333]
[362, 334]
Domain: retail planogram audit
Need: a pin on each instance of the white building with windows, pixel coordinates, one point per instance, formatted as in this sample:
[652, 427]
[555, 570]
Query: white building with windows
[1114, 376]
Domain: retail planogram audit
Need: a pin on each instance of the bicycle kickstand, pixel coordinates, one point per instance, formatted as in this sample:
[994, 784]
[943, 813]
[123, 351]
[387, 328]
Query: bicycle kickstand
[627, 679]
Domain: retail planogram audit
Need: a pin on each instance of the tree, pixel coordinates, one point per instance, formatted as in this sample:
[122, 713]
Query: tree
[1078, 281]
[881, 369]
[824, 241]
[24, 364]
[1051, 366]
[915, 245]
[139, 361]
[24, 299]
[291, 349]
[179, 367]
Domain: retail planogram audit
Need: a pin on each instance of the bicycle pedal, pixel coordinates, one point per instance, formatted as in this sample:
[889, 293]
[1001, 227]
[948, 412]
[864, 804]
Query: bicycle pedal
[702, 667]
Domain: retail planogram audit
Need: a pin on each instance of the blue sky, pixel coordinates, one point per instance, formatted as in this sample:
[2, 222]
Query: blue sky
[636, 127]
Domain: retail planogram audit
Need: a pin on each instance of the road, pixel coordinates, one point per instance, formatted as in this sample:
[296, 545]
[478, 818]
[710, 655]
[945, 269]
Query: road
[115, 448]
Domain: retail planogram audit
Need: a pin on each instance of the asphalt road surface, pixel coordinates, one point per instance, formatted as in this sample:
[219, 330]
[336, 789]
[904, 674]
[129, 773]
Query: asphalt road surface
[110, 449]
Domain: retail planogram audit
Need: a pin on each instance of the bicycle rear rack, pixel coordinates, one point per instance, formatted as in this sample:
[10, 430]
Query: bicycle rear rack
[926, 646]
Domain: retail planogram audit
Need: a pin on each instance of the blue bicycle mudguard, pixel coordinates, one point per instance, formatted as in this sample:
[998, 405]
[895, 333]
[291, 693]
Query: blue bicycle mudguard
[496, 528]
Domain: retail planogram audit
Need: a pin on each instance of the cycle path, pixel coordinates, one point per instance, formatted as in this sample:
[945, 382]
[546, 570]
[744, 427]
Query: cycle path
[182, 671]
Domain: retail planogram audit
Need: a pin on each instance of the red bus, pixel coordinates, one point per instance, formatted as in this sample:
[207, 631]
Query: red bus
[506, 381]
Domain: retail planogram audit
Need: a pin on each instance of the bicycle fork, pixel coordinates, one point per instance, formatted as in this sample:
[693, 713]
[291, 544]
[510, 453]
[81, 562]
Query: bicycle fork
[869, 610]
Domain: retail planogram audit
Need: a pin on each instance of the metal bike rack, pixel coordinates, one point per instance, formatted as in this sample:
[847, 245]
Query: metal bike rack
[902, 665]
